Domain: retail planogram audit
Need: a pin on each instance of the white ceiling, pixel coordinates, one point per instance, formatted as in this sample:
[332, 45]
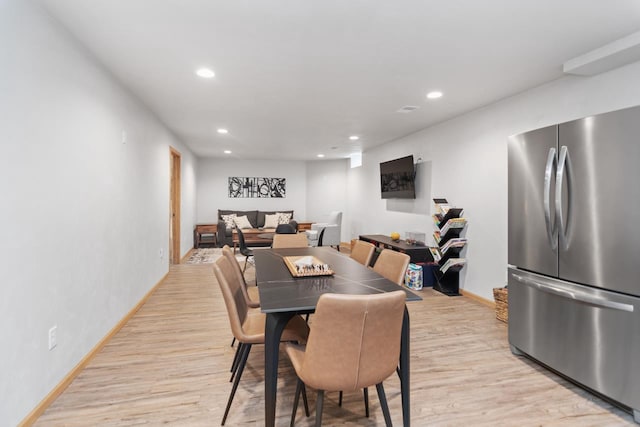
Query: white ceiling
[295, 78]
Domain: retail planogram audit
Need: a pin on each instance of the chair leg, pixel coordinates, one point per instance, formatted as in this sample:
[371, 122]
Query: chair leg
[319, 405]
[233, 341]
[398, 372]
[245, 264]
[236, 360]
[296, 399]
[383, 404]
[340, 399]
[304, 400]
[366, 401]
[246, 348]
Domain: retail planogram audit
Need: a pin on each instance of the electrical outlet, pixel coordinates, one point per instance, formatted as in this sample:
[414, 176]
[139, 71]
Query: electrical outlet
[161, 253]
[53, 340]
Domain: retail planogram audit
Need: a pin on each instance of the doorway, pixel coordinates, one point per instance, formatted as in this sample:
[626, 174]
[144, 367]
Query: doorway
[174, 208]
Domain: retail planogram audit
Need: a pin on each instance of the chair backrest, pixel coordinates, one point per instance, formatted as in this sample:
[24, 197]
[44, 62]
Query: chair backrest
[298, 240]
[362, 252]
[335, 217]
[234, 299]
[354, 341]
[244, 250]
[392, 265]
[285, 229]
[227, 253]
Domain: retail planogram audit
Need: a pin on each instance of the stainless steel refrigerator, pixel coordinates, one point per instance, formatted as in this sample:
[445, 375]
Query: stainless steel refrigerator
[574, 251]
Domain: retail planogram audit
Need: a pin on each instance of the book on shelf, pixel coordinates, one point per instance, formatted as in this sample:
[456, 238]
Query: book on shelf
[437, 237]
[457, 242]
[453, 223]
[452, 262]
[442, 206]
[435, 253]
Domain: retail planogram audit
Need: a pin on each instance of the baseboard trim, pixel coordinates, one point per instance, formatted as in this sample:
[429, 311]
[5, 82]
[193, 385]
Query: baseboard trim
[33, 416]
[186, 256]
[478, 298]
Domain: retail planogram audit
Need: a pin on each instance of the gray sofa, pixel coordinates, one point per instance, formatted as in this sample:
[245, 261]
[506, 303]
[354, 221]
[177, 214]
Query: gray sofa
[256, 218]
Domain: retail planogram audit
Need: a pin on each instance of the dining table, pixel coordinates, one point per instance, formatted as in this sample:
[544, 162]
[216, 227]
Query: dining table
[282, 296]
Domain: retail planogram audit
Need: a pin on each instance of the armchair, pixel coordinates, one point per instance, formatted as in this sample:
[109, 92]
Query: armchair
[332, 229]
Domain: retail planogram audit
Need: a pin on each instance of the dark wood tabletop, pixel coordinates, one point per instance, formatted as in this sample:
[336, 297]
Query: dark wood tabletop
[280, 291]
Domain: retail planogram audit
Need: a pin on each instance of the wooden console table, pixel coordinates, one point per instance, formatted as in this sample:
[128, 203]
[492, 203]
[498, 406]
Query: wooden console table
[205, 233]
[418, 253]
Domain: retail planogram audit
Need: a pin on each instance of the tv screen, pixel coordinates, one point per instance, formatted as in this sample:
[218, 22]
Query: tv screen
[397, 179]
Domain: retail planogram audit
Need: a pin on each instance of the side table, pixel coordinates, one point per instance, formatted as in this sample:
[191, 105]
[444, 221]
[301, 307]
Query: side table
[205, 233]
[304, 225]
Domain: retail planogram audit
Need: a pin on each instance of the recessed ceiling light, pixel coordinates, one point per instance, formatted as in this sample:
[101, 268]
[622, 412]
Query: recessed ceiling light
[227, 151]
[320, 155]
[223, 131]
[354, 137]
[205, 73]
[434, 95]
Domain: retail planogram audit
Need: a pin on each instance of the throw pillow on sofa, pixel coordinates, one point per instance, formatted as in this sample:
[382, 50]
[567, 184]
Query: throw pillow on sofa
[283, 218]
[242, 222]
[271, 221]
[229, 220]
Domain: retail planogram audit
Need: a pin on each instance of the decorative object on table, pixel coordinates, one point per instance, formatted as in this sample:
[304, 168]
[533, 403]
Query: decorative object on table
[413, 277]
[256, 187]
[395, 236]
[415, 238]
[306, 266]
[501, 295]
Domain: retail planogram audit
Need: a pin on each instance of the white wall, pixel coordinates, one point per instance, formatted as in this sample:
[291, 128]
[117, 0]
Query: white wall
[468, 158]
[213, 178]
[84, 216]
[326, 190]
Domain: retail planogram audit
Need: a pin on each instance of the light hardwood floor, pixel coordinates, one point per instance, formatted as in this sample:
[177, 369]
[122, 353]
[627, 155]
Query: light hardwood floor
[170, 365]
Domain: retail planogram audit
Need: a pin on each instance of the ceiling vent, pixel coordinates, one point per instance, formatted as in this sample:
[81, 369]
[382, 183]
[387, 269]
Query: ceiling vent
[407, 109]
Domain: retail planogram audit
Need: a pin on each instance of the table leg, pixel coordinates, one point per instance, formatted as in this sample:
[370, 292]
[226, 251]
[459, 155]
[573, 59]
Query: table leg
[274, 326]
[404, 370]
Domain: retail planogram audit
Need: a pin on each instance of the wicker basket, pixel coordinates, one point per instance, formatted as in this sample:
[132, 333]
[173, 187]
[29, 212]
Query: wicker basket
[502, 304]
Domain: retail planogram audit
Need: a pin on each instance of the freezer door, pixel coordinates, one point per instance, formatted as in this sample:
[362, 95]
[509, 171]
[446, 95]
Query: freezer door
[600, 199]
[587, 334]
[532, 168]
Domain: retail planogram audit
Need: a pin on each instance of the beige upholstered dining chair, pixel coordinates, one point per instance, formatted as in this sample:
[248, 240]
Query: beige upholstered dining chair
[248, 326]
[298, 240]
[392, 265]
[251, 292]
[354, 343]
[362, 252]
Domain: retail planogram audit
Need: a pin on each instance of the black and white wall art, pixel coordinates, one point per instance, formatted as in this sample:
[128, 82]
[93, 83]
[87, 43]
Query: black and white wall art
[251, 187]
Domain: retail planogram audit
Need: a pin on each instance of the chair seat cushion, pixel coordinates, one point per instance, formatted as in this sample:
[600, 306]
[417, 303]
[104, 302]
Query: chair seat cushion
[253, 327]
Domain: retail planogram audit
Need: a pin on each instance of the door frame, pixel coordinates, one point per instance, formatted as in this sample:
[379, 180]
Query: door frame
[174, 206]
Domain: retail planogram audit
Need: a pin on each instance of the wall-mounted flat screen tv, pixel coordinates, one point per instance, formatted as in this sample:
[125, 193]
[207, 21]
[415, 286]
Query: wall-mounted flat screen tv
[397, 179]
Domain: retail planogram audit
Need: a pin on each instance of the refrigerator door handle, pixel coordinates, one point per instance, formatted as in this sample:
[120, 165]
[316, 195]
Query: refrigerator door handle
[564, 164]
[576, 296]
[552, 231]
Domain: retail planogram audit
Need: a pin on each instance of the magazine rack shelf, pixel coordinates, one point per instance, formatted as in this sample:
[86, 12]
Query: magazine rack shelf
[450, 227]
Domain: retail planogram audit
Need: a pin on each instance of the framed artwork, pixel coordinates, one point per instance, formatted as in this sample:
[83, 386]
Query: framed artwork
[255, 187]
